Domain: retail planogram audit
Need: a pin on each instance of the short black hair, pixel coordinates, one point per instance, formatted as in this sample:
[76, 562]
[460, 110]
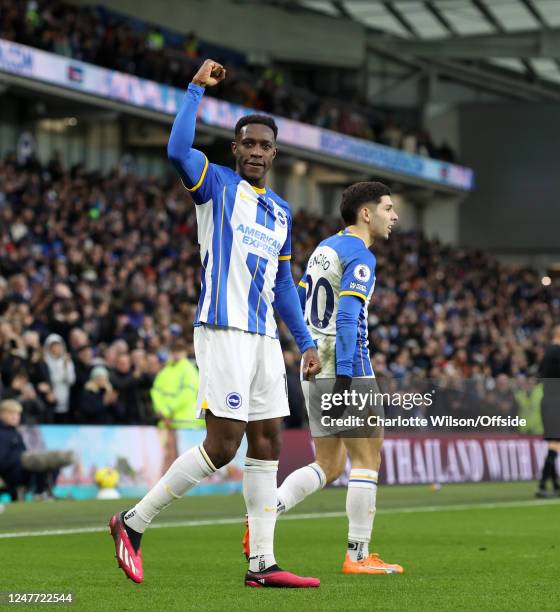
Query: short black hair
[360, 193]
[262, 119]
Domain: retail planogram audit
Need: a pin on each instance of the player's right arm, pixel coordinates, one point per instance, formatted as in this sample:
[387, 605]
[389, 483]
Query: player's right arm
[192, 165]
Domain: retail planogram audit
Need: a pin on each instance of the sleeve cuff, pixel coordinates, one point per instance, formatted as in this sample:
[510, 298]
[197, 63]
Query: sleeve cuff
[196, 88]
[307, 345]
[360, 295]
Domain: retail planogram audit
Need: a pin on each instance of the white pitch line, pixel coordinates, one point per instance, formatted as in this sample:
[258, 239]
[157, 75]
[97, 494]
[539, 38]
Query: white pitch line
[291, 517]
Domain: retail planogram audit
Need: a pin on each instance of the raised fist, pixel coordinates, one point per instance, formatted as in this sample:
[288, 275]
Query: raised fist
[209, 74]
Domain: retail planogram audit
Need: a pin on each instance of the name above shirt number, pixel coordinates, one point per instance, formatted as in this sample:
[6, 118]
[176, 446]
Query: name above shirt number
[319, 259]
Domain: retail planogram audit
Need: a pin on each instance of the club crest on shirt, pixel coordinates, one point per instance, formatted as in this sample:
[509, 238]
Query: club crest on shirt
[362, 273]
[281, 217]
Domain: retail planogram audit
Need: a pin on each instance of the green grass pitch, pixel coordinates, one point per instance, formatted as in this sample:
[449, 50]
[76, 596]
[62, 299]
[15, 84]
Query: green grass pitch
[466, 547]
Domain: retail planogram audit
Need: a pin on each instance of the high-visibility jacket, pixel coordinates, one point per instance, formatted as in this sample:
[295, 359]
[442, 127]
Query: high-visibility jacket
[529, 408]
[174, 394]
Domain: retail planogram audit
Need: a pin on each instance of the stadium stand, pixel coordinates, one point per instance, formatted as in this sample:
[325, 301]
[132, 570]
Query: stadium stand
[109, 39]
[125, 278]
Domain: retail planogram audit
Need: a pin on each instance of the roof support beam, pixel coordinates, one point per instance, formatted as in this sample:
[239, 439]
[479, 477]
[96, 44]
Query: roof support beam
[522, 45]
[403, 21]
[440, 17]
[538, 16]
[343, 11]
[530, 6]
[486, 80]
[488, 15]
[410, 77]
[496, 24]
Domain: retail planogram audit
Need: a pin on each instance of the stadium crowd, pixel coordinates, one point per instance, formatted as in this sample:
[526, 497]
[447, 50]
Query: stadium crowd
[96, 36]
[99, 280]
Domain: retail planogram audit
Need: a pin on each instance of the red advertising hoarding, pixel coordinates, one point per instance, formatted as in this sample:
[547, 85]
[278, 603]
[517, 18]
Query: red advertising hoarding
[438, 458]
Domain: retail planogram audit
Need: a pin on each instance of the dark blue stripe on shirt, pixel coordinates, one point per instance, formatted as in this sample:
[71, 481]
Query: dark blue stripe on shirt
[256, 307]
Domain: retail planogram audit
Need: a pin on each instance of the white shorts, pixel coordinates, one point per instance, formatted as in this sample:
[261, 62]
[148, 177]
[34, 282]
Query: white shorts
[242, 375]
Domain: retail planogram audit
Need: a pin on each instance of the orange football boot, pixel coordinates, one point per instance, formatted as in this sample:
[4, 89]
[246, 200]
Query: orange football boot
[370, 565]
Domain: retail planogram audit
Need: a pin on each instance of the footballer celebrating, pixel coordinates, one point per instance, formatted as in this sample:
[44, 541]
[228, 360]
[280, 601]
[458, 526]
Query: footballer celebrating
[244, 232]
[335, 293]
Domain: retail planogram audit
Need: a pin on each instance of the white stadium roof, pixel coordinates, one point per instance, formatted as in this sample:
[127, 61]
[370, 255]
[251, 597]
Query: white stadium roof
[517, 35]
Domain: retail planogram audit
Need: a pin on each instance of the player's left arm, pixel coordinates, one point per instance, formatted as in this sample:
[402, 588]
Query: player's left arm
[287, 304]
[355, 286]
[196, 173]
[349, 307]
[302, 292]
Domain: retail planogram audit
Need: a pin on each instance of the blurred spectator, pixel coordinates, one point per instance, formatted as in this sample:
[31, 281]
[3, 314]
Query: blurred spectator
[82, 358]
[175, 390]
[34, 409]
[129, 379]
[61, 374]
[98, 398]
[191, 46]
[174, 397]
[410, 142]
[528, 397]
[145, 368]
[155, 40]
[37, 369]
[501, 398]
